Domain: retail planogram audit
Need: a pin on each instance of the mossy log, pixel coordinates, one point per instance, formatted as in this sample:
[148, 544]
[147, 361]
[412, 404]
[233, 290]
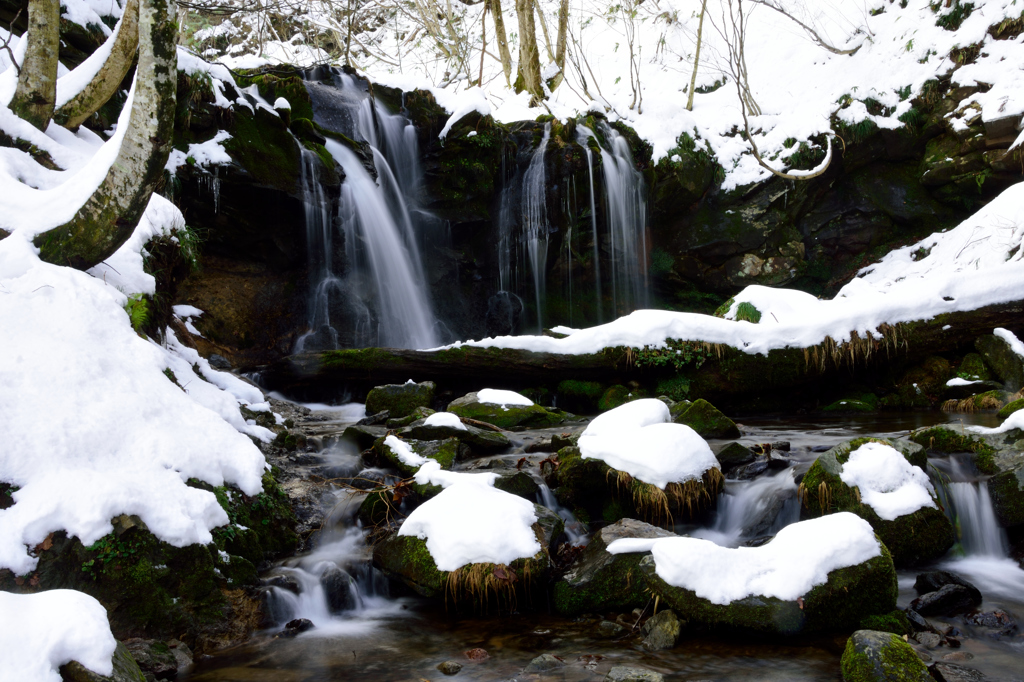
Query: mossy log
[716, 372]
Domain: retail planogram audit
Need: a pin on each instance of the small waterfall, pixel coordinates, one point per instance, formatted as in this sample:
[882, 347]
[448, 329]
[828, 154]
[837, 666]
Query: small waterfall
[581, 136]
[751, 509]
[319, 249]
[573, 528]
[979, 532]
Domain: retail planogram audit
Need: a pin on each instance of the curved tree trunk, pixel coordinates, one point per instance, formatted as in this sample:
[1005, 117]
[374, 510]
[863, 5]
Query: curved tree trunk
[37, 83]
[104, 84]
[110, 215]
[529, 57]
[499, 31]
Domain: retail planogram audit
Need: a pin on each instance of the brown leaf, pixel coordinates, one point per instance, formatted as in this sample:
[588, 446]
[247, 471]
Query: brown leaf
[476, 654]
[45, 544]
[800, 602]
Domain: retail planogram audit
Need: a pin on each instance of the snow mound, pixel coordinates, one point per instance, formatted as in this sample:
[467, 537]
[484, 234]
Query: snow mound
[492, 396]
[1015, 344]
[448, 419]
[637, 438]
[404, 453]
[41, 632]
[799, 557]
[472, 522]
[888, 483]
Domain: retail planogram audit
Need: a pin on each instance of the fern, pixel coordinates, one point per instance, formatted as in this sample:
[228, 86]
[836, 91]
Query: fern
[137, 307]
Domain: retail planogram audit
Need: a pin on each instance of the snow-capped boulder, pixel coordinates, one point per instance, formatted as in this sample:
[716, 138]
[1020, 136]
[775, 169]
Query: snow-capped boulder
[884, 483]
[504, 409]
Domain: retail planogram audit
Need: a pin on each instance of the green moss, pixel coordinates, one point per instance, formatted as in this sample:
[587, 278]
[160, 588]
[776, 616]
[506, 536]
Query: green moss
[579, 396]
[942, 439]
[506, 417]
[897, 662]
[399, 399]
[443, 452]
[263, 145]
[973, 367]
[520, 484]
[747, 311]
[1010, 408]
[895, 622]
[707, 420]
[1007, 492]
[621, 586]
[616, 396]
[677, 388]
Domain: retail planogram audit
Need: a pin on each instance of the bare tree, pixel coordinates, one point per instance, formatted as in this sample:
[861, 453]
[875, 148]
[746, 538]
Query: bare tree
[36, 93]
[502, 40]
[560, 43]
[529, 60]
[696, 56]
[821, 42]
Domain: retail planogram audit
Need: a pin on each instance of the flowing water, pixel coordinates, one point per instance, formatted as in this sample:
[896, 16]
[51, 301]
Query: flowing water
[363, 633]
[377, 291]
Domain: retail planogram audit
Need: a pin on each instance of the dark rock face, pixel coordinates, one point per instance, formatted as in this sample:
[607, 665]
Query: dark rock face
[154, 658]
[1007, 492]
[872, 656]
[297, 626]
[707, 420]
[734, 455]
[125, 669]
[948, 600]
[935, 580]
[950, 672]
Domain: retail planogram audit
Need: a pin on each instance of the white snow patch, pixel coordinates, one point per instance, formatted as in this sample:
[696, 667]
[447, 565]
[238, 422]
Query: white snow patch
[637, 438]
[282, 103]
[492, 396]
[404, 453]
[468, 101]
[799, 558]
[445, 419]
[957, 381]
[888, 483]
[1006, 335]
[41, 632]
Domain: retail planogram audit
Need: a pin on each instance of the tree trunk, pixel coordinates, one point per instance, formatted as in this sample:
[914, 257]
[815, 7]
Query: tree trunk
[500, 37]
[696, 57]
[73, 112]
[37, 83]
[529, 59]
[563, 29]
[110, 215]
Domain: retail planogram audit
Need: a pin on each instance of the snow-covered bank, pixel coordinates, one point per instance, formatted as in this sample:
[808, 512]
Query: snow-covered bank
[978, 263]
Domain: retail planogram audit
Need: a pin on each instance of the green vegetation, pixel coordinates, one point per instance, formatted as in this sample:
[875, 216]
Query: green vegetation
[137, 307]
[942, 439]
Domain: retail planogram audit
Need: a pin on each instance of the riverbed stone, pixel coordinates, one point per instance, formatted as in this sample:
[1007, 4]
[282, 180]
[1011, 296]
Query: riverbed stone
[479, 440]
[504, 416]
[661, 631]
[449, 667]
[601, 581]
[872, 656]
[628, 673]
[338, 590]
[707, 420]
[734, 455]
[519, 483]
[415, 415]
[951, 672]
[400, 399]
[444, 452]
[544, 663]
[125, 669]
[915, 538]
[1006, 364]
[948, 600]
[930, 581]
[364, 436]
[849, 595]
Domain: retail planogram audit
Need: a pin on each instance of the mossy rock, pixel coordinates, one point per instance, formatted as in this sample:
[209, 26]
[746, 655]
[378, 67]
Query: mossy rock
[263, 145]
[973, 368]
[520, 484]
[617, 396]
[947, 440]
[1006, 364]
[400, 399]
[125, 669]
[675, 388]
[599, 581]
[1007, 492]
[363, 436]
[874, 656]
[417, 414]
[849, 595]
[579, 396]
[707, 420]
[734, 455]
[849, 405]
[504, 416]
[921, 536]
[921, 386]
[895, 621]
[1010, 408]
[480, 441]
[445, 452]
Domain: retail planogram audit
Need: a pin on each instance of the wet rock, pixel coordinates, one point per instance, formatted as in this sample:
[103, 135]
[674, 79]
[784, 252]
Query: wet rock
[476, 654]
[565, 440]
[444, 452]
[967, 390]
[182, 654]
[707, 420]
[932, 581]
[849, 595]
[734, 455]
[296, 626]
[544, 663]
[400, 399]
[661, 631]
[914, 538]
[929, 640]
[991, 619]
[519, 483]
[895, 622]
[479, 440]
[950, 672]
[1007, 492]
[219, 362]
[626, 673]
[946, 601]
[125, 669]
[957, 656]
[153, 657]
[749, 471]
[504, 416]
[600, 581]
[284, 582]
[338, 589]
[781, 445]
[449, 667]
[607, 629]
[917, 621]
[541, 445]
[1006, 364]
[872, 656]
[417, 414]
[364, 436]
[374, 419]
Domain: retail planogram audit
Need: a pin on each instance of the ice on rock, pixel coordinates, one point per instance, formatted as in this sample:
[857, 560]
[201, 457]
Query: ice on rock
[639, 439]
[888, 483]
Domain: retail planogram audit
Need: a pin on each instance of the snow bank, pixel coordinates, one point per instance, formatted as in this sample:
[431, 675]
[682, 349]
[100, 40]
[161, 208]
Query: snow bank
[470, 522]
[468, 101]
[492, 396]
[888, 483]
[403, 452]
[43, 631]
[445, 419]
[637, 439]
[799, 557]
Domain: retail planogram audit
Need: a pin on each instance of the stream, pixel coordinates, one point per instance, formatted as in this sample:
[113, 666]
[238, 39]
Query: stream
[370, 633]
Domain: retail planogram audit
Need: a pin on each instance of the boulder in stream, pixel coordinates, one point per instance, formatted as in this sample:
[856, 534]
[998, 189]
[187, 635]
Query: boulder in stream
[518, 412]
[479, 440]
[444, 452]
[400, 399]
[706, 419]
[661, 631]
[872, 656]
[125, 669]
[948, 600]
[998, 355]
[734, 455]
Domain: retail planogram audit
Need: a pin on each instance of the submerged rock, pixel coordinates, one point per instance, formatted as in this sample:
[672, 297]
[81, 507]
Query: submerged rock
[707, 420]
[601, 581]
[913, 538]
[626, 673]
[400, 399]
[872, 656]
[544, 663]
[449, 667]
[661, 631]
[504, 416]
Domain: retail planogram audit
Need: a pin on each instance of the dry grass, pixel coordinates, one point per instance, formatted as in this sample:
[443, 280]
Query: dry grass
[480, 584]
[976, 403]
[659, 507]
[857, 350]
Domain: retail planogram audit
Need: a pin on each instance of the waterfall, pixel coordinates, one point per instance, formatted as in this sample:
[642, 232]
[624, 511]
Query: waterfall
[750, 509]
[980, 534]
[581, 136]
[381, 293]
[574, 530]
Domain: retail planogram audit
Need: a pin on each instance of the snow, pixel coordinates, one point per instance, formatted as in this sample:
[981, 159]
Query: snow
[404, 453]
[71, 84]
[957, 381]
[888, 483]
[123, 270]
[1011, 339]
[186, 311]
[445, 419]
[470, 522]
[491, 396]
[799, 558]
[205, 154]
[637, 438]
[469, 101]
[282, 103]
[43, 631]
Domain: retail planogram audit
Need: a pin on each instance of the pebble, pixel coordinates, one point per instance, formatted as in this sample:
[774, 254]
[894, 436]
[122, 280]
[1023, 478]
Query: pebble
[449, 667]
[625, 673]
[543, 663]
[929, 640]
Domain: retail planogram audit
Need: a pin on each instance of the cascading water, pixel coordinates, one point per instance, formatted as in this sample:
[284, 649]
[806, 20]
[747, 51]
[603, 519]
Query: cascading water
[751, 509]
[382, 292]
[970, 508]
[581, 137]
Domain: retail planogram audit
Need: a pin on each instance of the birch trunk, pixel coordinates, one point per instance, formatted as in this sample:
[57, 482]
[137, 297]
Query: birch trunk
[502, 39]
[36, 92]
[696, 57]
[529, 60]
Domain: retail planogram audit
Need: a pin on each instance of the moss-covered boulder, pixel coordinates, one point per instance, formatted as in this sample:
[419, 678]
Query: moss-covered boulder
[707, 420]
[1007, 492]
[445, 452]
[579, 396]
[973, 368]
[415, 415]
[1005, 363]
[849, 595]
[519, 483]
[400, 399]
[921, 536]
[504, 416]
[874, 656]
[480, 441]
[895, 621]
[1010, 407]
[600, 581]
[734, 455]
[363, 436]
[125, 669]
[945, 440]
